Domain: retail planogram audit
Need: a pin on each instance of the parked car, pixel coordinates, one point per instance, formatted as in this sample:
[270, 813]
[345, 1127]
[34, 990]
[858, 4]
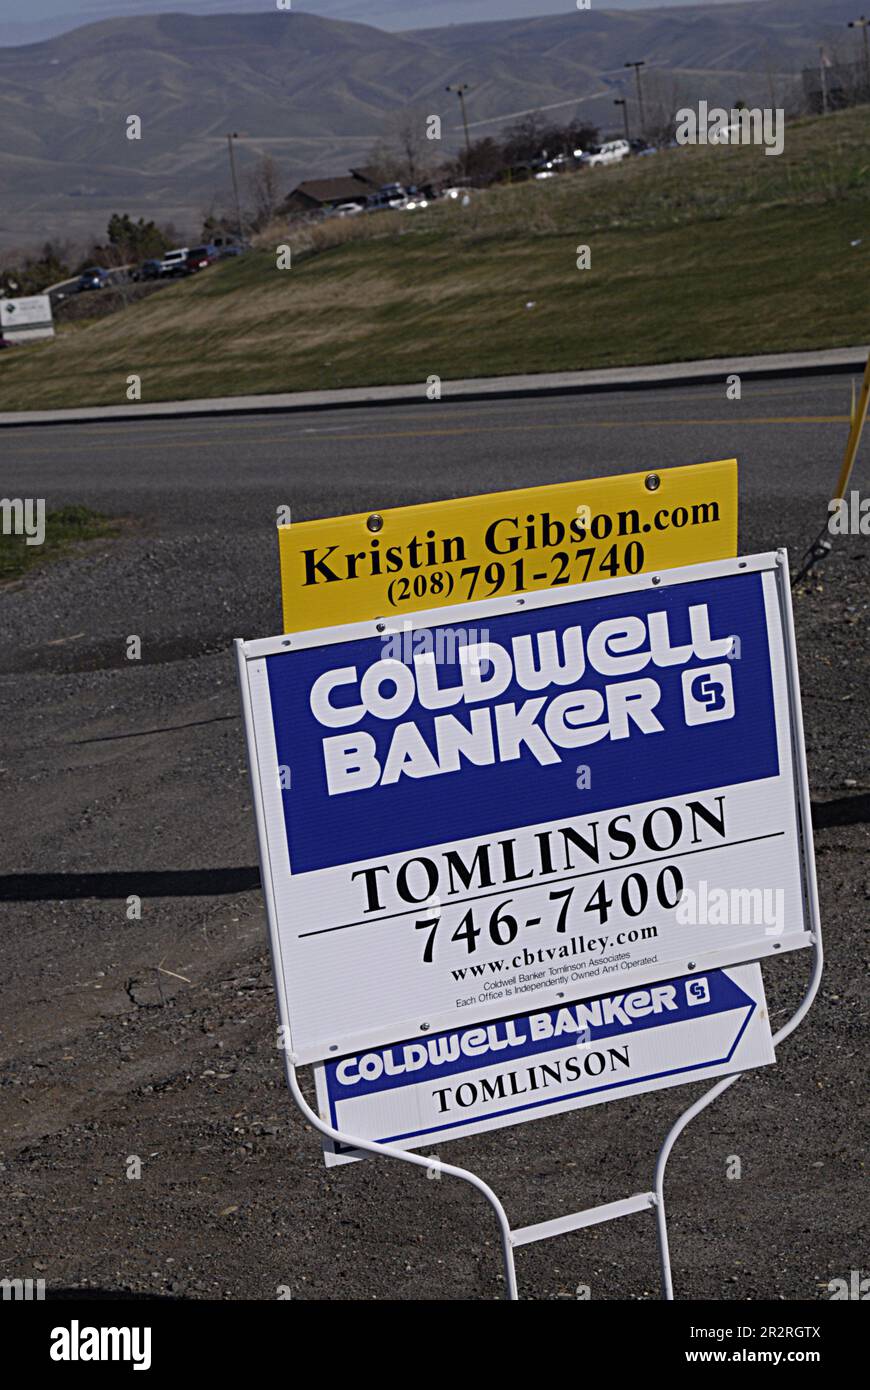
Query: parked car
[392, 195]
[547, 168]
[95, 278]
[175, 262]
[200, 258]
[232, 248]
[148, 270]
[345, 210]
[610, 153]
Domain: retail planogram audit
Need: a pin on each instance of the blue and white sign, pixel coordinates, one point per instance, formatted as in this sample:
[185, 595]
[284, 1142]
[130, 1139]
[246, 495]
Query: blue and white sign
[427, 1090]
[513, 803]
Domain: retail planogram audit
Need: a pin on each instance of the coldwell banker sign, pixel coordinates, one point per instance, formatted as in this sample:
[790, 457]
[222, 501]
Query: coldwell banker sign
[518, 803]
[468, 1080]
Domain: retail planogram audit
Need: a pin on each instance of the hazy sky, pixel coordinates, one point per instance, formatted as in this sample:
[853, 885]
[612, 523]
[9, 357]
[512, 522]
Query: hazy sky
[31, 21]
[12, 10]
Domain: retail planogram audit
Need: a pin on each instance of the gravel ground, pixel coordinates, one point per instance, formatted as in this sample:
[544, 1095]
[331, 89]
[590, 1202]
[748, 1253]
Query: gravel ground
[155, 1037]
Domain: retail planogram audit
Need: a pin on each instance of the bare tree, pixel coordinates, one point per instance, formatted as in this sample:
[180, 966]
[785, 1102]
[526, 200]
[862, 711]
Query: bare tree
[404, 153]
[665, 94]
[263, 185]
[524, 140]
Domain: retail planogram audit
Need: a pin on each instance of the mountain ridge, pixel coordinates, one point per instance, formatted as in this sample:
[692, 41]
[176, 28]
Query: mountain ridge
[394, 16]
[314, 93]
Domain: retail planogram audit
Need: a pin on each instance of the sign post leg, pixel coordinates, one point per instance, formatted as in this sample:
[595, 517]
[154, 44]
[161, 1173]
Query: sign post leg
[701, 1104]
[812, 904]
[420, 1161]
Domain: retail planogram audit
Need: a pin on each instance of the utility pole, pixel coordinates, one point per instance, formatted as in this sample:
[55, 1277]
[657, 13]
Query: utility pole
[460, 92]
[824, 63]
[234, 135]
[637, 67]
[621, 101]
[863, 24]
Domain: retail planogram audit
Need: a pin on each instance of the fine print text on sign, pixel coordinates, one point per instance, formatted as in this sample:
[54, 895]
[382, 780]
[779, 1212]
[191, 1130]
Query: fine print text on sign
[429, 1090]
[548, 797]
[406, 559]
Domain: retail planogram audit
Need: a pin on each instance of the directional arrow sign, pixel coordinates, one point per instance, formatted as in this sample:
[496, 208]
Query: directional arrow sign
[430, 1089]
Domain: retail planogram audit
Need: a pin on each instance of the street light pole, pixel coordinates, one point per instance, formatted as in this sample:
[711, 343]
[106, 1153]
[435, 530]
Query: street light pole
[460, 92]
[863, 24]
[234, 135]
[823, 79]
[637, 67]
[621, 101]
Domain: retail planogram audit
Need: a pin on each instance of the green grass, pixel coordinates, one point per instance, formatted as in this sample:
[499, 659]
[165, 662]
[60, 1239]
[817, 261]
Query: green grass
[699, 252]
[64, 528]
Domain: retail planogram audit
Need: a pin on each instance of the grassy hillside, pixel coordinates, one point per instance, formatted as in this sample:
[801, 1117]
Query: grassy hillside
[314, 93]
[696, 252]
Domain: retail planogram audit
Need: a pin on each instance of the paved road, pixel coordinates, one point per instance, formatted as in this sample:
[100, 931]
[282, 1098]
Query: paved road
[347, 456]
[206, 493]
[155, 1037]
[196, 478]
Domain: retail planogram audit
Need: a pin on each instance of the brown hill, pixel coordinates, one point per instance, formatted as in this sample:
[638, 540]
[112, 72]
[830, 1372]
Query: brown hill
[314, 93]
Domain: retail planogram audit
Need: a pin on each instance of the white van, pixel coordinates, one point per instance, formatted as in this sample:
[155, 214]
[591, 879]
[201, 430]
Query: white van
[175, 262]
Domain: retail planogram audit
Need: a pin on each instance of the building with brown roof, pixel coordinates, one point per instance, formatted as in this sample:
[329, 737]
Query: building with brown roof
[318, 195]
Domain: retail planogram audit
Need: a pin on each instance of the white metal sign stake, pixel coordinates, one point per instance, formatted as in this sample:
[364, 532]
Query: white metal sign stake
[703, 689]
[812, 896]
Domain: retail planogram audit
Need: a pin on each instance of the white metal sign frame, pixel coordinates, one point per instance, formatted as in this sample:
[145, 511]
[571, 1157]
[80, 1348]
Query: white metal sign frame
[511, 1238]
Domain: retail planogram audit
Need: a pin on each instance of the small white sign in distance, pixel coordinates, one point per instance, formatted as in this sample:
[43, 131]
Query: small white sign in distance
[513, 803]
[429, 1090]
[24, 320]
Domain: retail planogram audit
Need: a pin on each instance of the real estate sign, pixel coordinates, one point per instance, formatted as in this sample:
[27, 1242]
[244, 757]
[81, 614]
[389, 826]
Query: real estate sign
[499, 544]
[469, 1080]
[528, 801]
[24, 320]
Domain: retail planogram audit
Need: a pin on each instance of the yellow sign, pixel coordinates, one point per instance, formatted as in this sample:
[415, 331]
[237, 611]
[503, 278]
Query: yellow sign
[349, 568]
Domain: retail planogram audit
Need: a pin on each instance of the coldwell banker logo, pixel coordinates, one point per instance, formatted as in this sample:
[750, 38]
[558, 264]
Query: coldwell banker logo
[698, 991]
[502, 731]
[708, 695]
[391, 755]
